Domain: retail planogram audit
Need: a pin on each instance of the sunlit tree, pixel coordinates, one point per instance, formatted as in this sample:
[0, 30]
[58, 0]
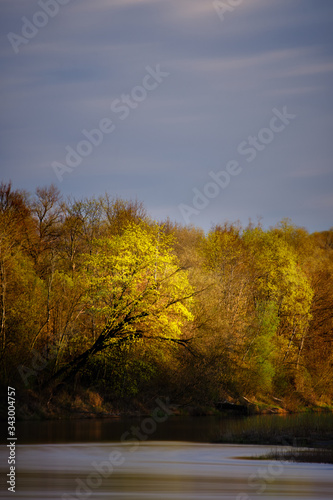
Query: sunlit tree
[135, 289]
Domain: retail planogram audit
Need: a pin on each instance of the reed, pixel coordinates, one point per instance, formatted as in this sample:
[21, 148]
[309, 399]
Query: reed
[300, 430]
[313, 455]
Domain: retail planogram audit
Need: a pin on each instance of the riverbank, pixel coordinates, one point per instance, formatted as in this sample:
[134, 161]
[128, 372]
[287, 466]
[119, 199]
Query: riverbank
[294, 432]
[309, 439]
[297, 430]
[88, 404]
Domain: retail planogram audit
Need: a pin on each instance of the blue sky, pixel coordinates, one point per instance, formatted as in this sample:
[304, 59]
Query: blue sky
[226, 66]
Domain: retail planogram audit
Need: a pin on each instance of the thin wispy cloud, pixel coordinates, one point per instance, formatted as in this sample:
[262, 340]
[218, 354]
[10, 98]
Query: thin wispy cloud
[225, 79]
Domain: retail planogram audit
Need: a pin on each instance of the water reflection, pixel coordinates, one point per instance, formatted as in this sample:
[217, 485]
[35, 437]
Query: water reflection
[175, 428]
[195, 429]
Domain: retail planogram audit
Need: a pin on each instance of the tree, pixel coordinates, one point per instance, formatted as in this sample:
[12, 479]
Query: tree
[224, 312]
[136, 290]
[318, 350]
[279, 278]
[119, 213]
[14, 269]
[47, 214]
[259, 358]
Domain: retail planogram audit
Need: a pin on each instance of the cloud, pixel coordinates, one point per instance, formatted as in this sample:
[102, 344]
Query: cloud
[225, 78]
[308, 173]
[103, 5]
[185, 8]
[309, 69]
[234, 63]
[278, 73]
[294, 91]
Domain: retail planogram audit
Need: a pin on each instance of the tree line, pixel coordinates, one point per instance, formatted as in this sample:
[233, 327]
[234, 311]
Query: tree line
[94, 293]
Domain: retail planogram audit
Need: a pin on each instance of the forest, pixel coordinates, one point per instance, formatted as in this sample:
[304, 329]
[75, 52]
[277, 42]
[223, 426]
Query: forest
[103, 309]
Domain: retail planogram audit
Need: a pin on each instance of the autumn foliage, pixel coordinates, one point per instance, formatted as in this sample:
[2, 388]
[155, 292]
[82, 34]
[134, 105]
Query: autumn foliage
[93, 292]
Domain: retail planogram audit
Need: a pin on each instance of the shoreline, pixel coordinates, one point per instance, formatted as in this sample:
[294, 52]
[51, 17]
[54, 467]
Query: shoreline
[190, 412]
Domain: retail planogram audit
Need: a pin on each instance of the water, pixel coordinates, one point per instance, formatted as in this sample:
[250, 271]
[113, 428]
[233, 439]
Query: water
[85, 459]
[197, 429]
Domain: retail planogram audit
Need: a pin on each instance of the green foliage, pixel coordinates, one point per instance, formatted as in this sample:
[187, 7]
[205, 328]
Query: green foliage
[98, 290]
[120, 373]
[278, 275]
[262, 348]
[134, 284]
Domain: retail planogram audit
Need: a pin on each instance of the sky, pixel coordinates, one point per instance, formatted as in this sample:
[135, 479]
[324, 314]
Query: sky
[205, 111]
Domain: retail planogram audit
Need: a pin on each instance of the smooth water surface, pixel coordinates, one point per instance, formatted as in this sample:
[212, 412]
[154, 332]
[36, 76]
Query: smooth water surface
[85, 459]
[197, 429]
[161, 471]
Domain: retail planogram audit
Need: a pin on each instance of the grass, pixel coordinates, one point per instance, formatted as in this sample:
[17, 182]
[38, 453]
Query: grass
[314, 455]
[309, 436]
[300, 430]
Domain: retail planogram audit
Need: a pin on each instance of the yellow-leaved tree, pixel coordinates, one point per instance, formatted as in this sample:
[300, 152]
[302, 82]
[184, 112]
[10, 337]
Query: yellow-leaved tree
[135, 289]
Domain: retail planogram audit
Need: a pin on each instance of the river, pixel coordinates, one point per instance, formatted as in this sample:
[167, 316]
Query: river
[86, 459]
